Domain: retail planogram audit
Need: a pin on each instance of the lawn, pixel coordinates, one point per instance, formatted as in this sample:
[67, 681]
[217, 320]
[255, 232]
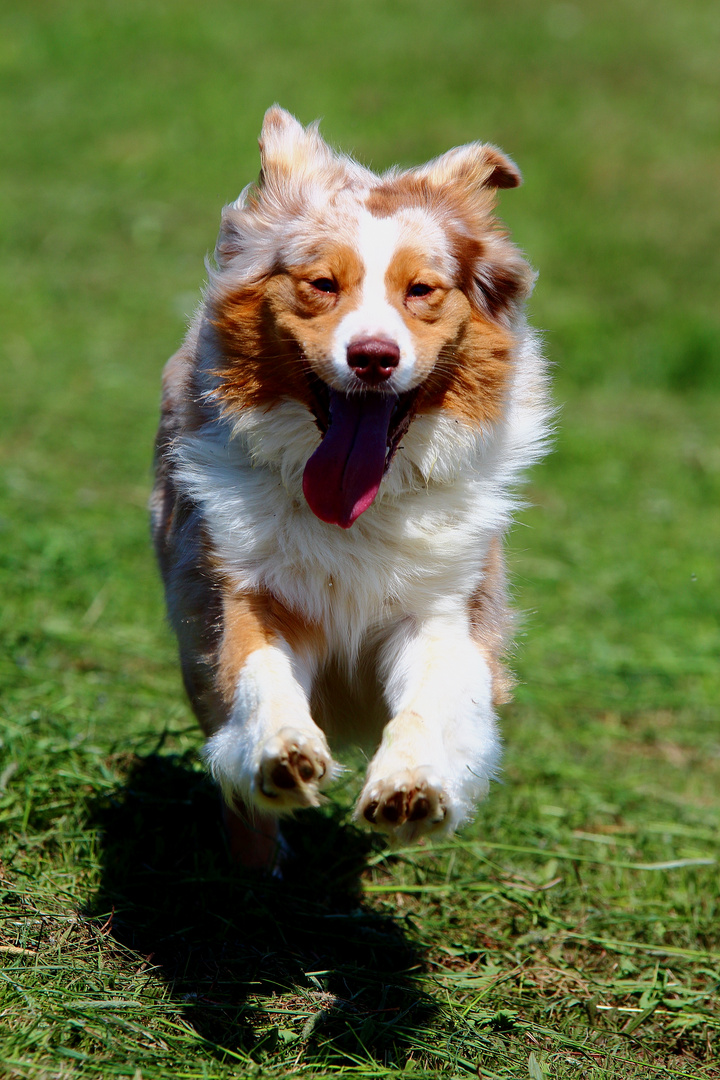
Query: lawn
[573, 930]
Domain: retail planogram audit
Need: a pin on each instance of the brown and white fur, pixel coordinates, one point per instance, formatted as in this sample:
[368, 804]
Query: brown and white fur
[307, 600]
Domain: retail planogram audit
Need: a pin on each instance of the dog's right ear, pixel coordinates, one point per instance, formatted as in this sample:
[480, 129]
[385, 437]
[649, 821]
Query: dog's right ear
[290, 153]
[293, 160]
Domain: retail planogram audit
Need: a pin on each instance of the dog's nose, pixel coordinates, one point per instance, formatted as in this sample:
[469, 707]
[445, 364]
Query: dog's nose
[373, 359]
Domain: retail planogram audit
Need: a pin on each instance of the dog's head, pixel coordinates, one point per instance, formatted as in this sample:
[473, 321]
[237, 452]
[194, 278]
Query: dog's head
[368, 298]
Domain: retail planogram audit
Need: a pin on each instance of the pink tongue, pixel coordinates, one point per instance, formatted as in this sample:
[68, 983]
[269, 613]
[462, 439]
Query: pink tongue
[342, 477]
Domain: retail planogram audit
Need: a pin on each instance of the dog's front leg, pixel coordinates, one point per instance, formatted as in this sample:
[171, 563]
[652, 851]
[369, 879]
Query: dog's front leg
[440, 750]
[267, 753]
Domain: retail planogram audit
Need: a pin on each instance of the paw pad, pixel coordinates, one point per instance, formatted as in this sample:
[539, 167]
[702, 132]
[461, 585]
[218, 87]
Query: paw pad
[297, 769]
[410, 803]
[292, 766]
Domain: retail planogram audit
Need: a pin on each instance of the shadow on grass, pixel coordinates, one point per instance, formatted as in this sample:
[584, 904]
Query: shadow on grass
[227, 940]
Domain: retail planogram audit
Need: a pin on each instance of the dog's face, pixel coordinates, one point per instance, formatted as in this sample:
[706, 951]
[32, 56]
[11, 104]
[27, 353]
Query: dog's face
[369, 299]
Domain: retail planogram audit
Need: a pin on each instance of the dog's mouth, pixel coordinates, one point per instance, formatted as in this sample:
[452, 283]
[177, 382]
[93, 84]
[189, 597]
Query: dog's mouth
[361, 433]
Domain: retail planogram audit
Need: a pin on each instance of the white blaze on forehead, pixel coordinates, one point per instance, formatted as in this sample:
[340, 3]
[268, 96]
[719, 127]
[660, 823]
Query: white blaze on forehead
[375, 316]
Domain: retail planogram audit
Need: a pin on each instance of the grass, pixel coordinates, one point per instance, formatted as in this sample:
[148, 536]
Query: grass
[573, 929]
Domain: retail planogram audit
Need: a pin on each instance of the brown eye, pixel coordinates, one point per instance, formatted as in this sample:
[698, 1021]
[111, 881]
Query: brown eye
[324, 284]
[420, 289]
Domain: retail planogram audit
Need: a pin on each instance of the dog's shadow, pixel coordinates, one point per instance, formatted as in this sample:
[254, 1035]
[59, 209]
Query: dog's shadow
[228, 941]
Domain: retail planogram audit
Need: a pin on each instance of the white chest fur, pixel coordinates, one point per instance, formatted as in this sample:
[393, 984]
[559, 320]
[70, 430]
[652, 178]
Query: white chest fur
[417, 551]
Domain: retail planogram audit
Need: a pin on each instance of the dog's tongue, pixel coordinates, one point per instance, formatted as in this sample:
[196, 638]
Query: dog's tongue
[342, 477]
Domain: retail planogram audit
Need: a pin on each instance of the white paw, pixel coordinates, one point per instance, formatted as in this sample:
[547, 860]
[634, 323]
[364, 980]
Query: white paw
[294, 765]
[406, 804]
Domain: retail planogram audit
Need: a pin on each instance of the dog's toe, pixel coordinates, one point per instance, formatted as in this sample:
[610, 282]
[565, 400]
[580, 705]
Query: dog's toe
[419, 807]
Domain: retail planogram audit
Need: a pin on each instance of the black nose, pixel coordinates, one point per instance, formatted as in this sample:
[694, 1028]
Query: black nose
[373, 359]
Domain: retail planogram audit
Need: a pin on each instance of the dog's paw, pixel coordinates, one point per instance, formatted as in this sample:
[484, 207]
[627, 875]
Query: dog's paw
[407, 805]
[294, 765]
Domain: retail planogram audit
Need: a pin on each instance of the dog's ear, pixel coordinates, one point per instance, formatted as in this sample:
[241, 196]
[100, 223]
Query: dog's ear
[476, 165]
[293, 160]
[289, 152]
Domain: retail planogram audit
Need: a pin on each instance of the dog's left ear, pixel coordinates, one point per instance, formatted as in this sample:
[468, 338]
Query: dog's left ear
[478, 165]
[498, 277]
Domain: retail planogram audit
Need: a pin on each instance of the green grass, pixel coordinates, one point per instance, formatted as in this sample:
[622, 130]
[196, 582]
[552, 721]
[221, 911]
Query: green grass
[573, 930]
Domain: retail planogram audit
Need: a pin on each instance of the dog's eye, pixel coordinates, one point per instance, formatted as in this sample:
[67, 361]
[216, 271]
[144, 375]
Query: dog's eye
[420, 289]
[324, 284]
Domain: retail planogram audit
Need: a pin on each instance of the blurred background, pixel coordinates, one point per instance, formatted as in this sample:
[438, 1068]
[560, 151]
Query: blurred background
[125, 125]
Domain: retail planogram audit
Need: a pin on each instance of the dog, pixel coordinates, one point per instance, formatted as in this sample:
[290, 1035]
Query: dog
[342, 435]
